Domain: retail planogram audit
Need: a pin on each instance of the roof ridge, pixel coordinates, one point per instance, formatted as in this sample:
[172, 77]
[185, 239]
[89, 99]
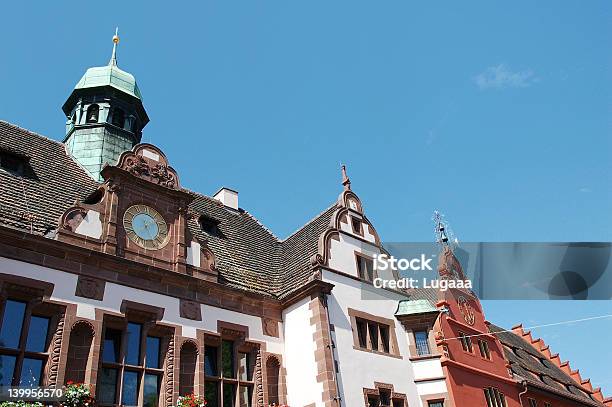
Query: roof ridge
[31, 132]
[308, 223]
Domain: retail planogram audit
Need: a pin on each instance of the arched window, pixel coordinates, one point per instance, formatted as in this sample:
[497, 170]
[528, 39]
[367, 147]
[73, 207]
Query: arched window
[118, 117]
[273, 376]
[189, 356]
[79, 352]
[92, 113]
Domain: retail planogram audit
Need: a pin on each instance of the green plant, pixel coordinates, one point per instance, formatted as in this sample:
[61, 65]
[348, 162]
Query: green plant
[191, 400]
[20, 403]
[78, 395]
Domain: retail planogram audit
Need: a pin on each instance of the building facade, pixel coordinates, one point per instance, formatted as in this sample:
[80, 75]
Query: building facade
[115, 275]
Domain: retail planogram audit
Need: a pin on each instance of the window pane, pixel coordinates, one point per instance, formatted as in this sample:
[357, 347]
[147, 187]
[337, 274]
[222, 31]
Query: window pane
[112, 344]
[229, 395]
[12, 321]
[108, 386]
[372, 402]
[384, 337]
[30, 372]
[210, 361]
[151, 390]
[362, 333]
[244, 367]
[211, 394]
[7, 366]
[227, 359]
[129, 393]
[436, 404]
[132, 356]
[422, 345]
[245, 394]
[37, 334]
[373, 328]
[153, 348]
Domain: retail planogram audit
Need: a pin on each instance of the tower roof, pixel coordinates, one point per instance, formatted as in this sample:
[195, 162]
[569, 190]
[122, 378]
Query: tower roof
[110, 75]
[106, 76]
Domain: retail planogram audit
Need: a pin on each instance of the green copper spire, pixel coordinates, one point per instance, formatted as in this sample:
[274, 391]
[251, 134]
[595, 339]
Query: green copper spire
[105, 115]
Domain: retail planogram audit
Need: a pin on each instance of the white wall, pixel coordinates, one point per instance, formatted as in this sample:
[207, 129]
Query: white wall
[302, 386]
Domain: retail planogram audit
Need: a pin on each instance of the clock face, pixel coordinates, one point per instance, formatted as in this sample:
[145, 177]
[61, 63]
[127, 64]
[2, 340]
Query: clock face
[145, 227]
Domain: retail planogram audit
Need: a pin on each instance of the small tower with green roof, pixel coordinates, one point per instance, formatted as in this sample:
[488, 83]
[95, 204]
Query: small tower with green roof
[105, 116]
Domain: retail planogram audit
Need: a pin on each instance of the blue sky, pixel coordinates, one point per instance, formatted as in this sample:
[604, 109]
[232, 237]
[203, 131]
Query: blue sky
[496, 114]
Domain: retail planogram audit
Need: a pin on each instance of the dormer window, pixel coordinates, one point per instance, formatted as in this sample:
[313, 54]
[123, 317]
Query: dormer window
[209, 225]
[12, 162]
[118, 117]
[356, 223]
[93, 112]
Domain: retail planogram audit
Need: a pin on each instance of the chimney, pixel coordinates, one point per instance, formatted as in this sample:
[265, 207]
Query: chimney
[227, 197]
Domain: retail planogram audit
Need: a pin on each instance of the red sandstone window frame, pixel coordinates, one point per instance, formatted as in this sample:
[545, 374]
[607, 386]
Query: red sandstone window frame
[148, 329]
[239, 346]
[356, 225]
[359, 257]
[377, 324]
[35, 306]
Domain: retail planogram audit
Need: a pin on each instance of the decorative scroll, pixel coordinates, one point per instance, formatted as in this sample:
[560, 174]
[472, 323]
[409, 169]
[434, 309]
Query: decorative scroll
[170, 373]
[259, 387]
[55, 350]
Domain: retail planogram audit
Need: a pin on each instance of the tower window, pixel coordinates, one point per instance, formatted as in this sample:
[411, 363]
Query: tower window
[118, 118]
[93, 112]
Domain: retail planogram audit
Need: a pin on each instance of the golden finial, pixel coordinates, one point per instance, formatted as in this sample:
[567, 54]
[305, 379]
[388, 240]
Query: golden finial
[113, 60]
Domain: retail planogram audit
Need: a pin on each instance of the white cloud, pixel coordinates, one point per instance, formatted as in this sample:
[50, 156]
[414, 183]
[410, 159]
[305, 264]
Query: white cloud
[584, 190]
[500, 76]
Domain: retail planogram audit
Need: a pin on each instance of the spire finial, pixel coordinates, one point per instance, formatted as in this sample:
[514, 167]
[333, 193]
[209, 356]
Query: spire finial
[346, 182]
[113, 60]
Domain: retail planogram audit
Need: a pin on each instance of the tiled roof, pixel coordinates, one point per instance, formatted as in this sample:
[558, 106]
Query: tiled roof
[50, 184]
[527, 362]
[249, 256]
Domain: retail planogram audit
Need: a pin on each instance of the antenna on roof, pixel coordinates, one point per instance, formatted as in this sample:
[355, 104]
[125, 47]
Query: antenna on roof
[346, 182]
[443, 232]
[113, 60]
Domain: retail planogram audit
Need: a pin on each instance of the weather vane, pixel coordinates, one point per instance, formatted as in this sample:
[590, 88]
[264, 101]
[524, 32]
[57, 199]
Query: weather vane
[443, 232]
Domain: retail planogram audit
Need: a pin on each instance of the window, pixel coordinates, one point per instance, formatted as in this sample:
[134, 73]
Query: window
[228, 370]
[209, 225]
[373, 335]
[547, 404]
[92, 114]
[272, 375]
[131, 360]
[118, 118]
[422, 343]
[356, 223]
[466, 342]
[533, 403]
[385, 397]
[24, 338]
[365, 268]
[12, 162]
[494, 398]
[438, 403]
[484, 349]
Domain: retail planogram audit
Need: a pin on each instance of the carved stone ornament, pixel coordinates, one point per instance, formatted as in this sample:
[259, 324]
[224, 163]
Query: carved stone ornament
[466, 310]
[55, 351]
[270, 327]
[88, 287]
[191, 310]
[316, 260]
[148, 162]
[72, 218]
[169, 390]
